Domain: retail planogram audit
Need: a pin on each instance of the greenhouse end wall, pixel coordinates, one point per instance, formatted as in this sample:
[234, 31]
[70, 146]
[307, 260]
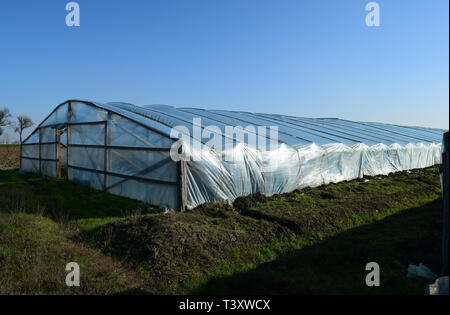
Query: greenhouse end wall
[105, 151]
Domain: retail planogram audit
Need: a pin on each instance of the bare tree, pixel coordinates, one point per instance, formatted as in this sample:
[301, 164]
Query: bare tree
[4, 122]
[23, 122]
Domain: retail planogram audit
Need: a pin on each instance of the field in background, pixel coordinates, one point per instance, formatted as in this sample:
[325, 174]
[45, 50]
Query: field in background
[9, 156]
[311, 241]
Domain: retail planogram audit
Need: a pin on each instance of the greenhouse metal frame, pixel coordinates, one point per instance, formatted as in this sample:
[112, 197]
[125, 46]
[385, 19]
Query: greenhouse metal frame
[124, 149]
[58, 162]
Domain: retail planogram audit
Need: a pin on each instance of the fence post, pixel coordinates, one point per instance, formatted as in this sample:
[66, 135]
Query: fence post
[445, 187]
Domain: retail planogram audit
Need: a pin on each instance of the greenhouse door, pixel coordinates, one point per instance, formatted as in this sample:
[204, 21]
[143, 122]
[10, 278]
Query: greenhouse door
[61, 152]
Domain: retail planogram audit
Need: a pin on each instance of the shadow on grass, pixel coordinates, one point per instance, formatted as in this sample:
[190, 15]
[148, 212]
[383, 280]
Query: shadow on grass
[337, 265]
[61, 200]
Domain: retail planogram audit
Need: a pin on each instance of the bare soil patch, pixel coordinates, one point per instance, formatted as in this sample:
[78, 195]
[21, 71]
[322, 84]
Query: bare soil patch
[9, 156]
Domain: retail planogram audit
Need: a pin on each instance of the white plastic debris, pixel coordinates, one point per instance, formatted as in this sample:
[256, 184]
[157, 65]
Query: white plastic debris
[439, 287]
[168, 211]
[421, 271]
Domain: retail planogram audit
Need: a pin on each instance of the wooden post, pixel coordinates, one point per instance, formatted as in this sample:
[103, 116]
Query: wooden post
[445, 187]
[182, 195]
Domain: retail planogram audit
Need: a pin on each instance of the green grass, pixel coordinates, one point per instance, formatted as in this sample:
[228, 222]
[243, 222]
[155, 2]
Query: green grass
[336, 265]
[34, 252]
[312, 241]
[64, 202]
[9, 145]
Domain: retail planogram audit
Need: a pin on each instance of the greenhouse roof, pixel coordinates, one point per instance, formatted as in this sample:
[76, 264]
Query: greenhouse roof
[293, 131]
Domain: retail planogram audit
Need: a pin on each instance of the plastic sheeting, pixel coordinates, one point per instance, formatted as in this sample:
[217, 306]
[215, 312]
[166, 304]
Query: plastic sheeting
[308, 152]
[213, 179]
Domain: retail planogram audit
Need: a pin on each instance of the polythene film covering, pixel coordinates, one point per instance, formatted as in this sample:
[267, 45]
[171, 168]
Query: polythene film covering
[124, 149]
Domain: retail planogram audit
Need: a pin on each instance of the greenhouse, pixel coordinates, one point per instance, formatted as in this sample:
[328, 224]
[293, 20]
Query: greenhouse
[178, 158]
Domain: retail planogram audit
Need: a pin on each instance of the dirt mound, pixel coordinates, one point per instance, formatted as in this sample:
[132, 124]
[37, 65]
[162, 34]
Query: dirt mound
[214, 209]
[9, 156]
[177, 251]
[247, 202]
[335, 207]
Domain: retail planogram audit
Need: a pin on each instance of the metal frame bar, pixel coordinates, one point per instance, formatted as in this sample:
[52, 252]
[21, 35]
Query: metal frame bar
[27, 144]
[69, 102]
[155, 181]
[38, 159]
[97, 146]
[87, 123]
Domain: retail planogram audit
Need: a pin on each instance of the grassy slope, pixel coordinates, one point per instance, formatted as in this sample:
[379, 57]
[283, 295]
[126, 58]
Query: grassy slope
[310, 241]
[37, 218]
[33, 255]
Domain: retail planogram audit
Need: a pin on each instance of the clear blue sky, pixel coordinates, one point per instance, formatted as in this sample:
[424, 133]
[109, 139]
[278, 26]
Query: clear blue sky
[305, 58]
